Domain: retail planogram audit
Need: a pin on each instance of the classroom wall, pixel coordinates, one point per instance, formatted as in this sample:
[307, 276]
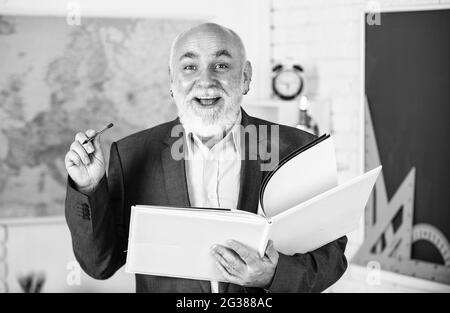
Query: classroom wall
[44, 244]
[326, 38]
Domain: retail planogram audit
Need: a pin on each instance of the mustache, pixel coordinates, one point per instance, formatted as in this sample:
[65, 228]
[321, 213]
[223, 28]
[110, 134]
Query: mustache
[207, 93]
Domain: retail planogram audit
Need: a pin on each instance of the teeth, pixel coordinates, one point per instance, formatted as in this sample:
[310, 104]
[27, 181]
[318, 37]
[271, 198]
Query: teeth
[207, 100]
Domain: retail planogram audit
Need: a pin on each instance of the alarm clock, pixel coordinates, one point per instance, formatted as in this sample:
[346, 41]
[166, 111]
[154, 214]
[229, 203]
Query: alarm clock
[287, 82]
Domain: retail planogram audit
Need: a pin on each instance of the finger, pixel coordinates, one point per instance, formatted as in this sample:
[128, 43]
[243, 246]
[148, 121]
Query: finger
[232, 261]
[90, 145]
[81, 137]
[90, 133]
[229, 266]
[271, 253]
[72, 158]
[246, 253]
[97, 146]
[78, 148]
[230, 278]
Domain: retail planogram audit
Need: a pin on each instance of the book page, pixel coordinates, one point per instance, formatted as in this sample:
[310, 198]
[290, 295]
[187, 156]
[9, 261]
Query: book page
[323, 218]
[177, 243]
[301, 178]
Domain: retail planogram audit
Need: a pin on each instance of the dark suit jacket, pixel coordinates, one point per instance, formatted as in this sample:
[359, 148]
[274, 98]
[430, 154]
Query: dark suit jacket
[142, 171]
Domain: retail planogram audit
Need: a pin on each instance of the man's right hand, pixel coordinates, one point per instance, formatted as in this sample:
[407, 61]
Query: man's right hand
[85, 164]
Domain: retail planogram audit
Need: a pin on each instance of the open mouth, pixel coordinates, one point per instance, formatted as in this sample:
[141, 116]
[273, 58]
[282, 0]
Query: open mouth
[207, 101]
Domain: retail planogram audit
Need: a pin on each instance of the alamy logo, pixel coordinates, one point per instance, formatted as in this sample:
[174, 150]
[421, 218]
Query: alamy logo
[257, 143]
[374, 273]
[73, 278]
[73, 16]
[373, 16]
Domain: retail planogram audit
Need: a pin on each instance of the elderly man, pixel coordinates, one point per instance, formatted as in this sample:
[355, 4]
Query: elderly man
[209, 75]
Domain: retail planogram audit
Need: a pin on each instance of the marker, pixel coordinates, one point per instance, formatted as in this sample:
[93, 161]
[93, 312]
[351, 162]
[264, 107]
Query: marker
[98, 133]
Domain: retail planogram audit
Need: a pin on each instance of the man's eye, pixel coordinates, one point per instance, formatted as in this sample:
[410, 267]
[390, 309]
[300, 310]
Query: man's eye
[190, 68]
[221, 66]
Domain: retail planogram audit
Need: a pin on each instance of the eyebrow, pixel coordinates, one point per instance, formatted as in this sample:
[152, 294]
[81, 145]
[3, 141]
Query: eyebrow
[223, 52]
[189, 55]
[193, 55]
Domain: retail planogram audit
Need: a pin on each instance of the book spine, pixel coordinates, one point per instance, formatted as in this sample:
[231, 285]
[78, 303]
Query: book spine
[265, 238]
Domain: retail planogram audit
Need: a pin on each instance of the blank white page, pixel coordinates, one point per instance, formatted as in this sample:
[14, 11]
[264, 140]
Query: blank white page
[306, 175]
[323, 218]
[177, 244]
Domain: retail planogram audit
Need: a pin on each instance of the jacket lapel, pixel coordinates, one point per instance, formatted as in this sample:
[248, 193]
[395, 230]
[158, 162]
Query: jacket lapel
[174, 172]
[251, 174]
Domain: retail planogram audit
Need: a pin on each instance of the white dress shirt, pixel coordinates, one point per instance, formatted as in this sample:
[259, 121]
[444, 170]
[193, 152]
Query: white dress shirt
[213, 175]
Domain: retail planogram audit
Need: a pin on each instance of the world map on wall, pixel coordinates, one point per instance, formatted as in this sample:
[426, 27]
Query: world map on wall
[56, 80]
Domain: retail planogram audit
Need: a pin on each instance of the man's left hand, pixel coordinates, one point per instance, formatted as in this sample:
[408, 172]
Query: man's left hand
[243, 266]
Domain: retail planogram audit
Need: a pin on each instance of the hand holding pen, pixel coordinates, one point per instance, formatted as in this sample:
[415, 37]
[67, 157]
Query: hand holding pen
[97, 133]
[85, 161]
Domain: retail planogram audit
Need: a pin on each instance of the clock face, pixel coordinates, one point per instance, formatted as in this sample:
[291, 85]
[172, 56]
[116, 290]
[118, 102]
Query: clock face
[288, 84]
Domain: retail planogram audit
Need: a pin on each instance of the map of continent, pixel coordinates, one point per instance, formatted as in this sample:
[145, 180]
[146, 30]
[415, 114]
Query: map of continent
[57, 80]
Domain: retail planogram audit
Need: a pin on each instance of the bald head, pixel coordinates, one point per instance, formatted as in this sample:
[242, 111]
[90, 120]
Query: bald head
[204, 34]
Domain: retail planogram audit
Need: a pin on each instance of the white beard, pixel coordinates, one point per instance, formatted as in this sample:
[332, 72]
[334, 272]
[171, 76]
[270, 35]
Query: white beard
[209, 121]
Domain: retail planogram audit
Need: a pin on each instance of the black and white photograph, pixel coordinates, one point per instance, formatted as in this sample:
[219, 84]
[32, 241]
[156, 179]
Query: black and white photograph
[243, 148]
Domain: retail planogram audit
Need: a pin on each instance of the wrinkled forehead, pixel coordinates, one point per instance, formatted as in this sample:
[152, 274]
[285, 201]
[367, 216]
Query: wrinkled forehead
[208, 43]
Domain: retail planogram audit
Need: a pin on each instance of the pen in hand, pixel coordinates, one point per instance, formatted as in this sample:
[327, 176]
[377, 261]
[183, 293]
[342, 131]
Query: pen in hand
[98, 133]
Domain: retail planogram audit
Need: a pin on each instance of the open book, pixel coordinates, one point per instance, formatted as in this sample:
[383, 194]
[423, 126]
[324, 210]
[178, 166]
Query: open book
[301, 209]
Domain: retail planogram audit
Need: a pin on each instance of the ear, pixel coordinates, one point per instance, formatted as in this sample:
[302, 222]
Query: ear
[248, 71]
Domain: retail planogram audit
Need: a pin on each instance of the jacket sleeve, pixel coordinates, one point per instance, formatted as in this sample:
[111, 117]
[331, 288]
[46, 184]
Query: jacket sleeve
[96, 222]
[310, 272]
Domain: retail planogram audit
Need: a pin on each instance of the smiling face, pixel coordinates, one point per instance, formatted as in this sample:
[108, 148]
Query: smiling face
[209, 75]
